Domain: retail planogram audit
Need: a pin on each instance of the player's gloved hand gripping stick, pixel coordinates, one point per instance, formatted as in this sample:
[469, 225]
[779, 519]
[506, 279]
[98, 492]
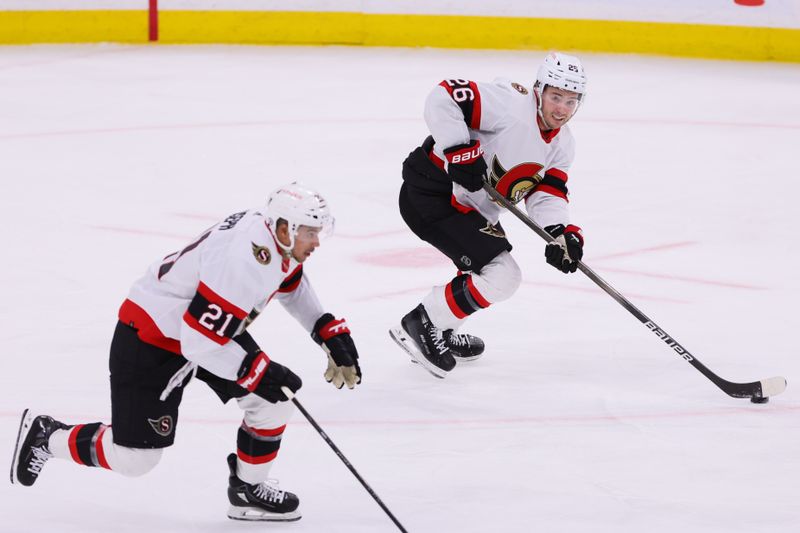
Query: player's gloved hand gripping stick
[466, 166]
[757, 391]
[266, 378]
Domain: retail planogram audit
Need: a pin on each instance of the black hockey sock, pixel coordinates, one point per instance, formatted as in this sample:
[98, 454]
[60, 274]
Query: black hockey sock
[258, 446]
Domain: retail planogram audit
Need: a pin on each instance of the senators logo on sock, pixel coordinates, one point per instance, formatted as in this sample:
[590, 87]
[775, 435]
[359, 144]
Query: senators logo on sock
[518, 182]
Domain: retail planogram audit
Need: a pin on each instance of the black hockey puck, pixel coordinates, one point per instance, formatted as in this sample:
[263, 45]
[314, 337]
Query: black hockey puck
[757, 399]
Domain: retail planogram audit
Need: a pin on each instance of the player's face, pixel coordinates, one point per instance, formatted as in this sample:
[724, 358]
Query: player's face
[306, 240]
[558, 106]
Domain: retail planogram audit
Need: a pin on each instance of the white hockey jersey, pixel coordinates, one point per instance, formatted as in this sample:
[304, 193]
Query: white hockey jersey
[195, 301]
[524, 162]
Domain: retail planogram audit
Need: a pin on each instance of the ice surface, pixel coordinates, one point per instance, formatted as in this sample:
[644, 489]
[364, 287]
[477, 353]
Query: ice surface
[577, 419]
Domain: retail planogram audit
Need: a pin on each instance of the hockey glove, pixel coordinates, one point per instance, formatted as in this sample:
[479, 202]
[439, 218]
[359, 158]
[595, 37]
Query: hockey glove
[567, 248]
[466, 165]
[334, 337]
[265, 378]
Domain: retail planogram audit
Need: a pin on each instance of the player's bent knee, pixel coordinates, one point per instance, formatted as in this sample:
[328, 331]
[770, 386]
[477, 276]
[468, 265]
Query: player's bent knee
[134, 462]
[499, 279]
[262, 414]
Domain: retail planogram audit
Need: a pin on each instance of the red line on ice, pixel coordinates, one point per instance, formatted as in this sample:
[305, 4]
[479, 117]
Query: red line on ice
[201, 125]
[371, 235]
[142, 232]
[699, 281]
[658, 248]
[763, 410]
[423, 290]
[597, 290]
[339, 120]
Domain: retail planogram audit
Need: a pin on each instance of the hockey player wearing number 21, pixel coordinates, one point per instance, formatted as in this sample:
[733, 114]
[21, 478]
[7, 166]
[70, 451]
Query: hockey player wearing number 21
[187, 316]
[517, 142]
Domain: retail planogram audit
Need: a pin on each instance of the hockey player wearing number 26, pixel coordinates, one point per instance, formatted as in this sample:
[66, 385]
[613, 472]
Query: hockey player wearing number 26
[515, 140]
[188, 316]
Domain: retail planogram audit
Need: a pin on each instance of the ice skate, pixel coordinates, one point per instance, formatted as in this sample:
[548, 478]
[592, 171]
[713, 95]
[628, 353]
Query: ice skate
[31, 451]
[259, 501]
[424, 342]
[463, 346]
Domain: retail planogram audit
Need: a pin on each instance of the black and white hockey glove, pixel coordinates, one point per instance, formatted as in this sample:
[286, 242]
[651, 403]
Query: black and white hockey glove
[466, 166]
[263, 377]
[564, 252]
[334, 337]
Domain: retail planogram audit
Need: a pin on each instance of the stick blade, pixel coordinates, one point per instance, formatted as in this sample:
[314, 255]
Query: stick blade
[772, 386]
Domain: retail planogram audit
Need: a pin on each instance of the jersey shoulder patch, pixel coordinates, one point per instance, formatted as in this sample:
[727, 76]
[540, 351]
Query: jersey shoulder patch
[261, 253]
[521, 89]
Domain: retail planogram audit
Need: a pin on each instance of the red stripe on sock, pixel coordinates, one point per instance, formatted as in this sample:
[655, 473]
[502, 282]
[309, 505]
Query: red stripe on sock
[256, 460]
[473, 290]
[73, 445]
[265, 432]
[451, 302]
[101, 454]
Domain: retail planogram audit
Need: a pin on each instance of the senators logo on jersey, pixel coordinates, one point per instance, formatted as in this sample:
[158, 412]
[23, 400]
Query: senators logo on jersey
[261, 253]
[520, 89]
[518, 182]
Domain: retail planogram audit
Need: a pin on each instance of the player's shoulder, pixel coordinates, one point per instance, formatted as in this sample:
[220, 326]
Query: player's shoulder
[259, 246]
[248, 242]
[511, 96]
[510, 89]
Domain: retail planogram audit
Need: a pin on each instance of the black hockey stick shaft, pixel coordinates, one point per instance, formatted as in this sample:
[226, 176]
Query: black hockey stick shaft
[338, 452]
[756, 389]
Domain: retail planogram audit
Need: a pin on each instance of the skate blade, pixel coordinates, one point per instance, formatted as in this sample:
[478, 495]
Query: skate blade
[253, 514]
[401, 338]
[24, 427]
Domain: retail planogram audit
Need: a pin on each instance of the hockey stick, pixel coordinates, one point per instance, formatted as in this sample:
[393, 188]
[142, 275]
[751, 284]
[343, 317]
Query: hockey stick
[288, 392]
[757, 391]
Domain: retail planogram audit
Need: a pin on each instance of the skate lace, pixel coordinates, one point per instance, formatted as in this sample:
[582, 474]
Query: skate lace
[438, 340]
[40, 457]
[266, 492]
[459, 340]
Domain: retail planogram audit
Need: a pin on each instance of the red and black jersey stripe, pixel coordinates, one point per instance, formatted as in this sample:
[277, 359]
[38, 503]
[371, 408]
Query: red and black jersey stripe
[463, 297]
[465, 93]
[555, 183]
[292, 281]
[147, 330]
[213, 316]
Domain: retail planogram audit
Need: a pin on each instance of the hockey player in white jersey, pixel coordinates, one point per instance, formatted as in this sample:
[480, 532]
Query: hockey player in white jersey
[188, 316]
[515, 139]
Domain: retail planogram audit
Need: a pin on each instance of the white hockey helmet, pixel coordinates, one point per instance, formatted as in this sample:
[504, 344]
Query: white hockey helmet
[562, 71]
[299, 206]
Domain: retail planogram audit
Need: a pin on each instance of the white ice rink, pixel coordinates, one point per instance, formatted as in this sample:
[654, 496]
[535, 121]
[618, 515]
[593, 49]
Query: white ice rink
[577, 419]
